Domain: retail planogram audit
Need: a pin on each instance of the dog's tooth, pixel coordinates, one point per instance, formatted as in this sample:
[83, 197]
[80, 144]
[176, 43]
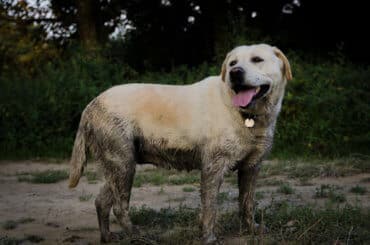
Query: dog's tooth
[258, 89]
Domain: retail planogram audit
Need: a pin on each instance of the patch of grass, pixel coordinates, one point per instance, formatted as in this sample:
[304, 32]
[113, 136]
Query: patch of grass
[85, 197]
[10, 225]
[161, 176]
[269, 182]
[259, 195]
[25, 220]
[305, 181]
[188, 189]
[177, 199]
[286, 223]
[304, 168]
[184, 178]
[331, 192]
[165, 217]
[5, 240]
[161, 191]
[286, 189]
[45, 177]
[222, 197]
[92, 177]
[358, 190]
[365, 180]
[34, 238]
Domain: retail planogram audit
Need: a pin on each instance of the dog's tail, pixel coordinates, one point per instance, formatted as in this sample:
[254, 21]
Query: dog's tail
[78, 159]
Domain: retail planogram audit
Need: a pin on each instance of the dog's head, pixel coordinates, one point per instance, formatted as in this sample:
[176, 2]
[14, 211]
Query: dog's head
[255, 74]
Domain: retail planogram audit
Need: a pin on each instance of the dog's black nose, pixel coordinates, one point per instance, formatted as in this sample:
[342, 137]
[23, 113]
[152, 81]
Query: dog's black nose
[237, 75]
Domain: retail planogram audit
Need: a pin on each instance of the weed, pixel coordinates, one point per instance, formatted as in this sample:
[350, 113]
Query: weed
[305, 181]
[269, 182]
[222, 197]
[25, 220]
[92, 177]
[259, 195]
[10, 225]
[34, 238]
[358, 190]
[161, 191]
[188, 189]
[45, 177]
[331, 192]
[366, 180]
[286, 189]
[85, 197]
[177, 199]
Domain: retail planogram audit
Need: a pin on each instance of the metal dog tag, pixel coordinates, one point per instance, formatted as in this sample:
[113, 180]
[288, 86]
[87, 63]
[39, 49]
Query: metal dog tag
[249, 122]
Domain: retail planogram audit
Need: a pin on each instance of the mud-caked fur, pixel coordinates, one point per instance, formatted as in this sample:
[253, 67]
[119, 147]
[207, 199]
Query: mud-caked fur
[182, 127]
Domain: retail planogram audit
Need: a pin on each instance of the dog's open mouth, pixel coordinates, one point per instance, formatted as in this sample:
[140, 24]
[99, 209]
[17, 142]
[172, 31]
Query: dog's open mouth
[245, 95]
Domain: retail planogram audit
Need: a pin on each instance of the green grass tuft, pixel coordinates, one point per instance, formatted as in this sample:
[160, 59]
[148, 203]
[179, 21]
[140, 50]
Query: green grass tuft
[358, 190]
[10, 225]
[92, 177]
[188, 189]
[286, 189]
[330, 191]
[85, 197]
[45, 177]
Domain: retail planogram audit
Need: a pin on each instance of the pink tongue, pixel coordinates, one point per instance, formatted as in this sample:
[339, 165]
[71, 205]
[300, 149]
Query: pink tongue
[243, 98]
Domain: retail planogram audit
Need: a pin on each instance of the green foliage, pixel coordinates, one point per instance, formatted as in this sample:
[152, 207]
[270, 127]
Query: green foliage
[45, 177]
[325, 111]
[92, 177]
[286, 189]
[358, 190]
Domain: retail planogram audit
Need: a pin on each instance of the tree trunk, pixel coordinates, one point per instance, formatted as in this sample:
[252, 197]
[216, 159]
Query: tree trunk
[86, 22]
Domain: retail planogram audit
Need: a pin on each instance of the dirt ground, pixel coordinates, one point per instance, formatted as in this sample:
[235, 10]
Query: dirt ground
[59, 216]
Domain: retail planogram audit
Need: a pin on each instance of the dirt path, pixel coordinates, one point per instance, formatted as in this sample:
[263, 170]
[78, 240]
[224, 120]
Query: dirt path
[60, 215]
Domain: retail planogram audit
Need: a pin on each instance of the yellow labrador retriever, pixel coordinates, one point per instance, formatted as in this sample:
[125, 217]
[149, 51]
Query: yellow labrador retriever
[219, 124]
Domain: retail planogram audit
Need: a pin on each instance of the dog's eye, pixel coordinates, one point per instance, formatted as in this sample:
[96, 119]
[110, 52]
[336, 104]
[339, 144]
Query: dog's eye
[256, 59]
[232, 63]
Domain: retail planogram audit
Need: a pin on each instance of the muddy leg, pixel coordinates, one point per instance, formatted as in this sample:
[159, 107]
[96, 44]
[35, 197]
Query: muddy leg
[247, 182]
[121, 186]
[211, 180]
[103, 204]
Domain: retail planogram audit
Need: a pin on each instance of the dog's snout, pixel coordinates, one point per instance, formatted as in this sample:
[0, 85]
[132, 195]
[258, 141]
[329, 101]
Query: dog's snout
[237, 75]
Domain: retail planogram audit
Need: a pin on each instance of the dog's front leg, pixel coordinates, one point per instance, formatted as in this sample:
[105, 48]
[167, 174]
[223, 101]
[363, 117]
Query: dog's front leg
[211, 180]
[247, 176]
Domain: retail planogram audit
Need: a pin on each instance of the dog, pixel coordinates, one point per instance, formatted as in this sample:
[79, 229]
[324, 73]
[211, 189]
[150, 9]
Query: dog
[219, 124]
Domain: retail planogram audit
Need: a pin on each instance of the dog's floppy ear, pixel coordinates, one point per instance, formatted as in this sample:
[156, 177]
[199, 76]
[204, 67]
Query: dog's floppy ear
[223, 69]
[286, 66]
